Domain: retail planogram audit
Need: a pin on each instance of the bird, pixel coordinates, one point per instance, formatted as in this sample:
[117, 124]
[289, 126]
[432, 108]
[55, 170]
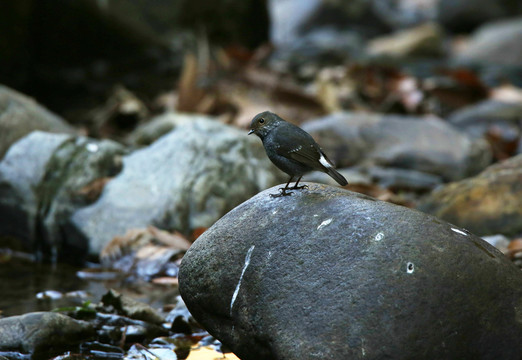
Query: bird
[291, 149]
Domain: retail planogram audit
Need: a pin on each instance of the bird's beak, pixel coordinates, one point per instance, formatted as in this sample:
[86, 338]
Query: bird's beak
[250, 132]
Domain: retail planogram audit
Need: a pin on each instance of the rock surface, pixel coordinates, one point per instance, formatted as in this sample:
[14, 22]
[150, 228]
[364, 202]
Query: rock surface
[487, 204]
[43, 179]
[496, 43]
[151, 131]
[422, 41]
[499, 122]
[476, 120]
[331, 274]
[42, 333]
[185, 180]
[428, 145]
[20, 115]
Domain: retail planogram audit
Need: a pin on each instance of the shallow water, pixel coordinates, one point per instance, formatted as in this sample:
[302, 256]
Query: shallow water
[22, 284]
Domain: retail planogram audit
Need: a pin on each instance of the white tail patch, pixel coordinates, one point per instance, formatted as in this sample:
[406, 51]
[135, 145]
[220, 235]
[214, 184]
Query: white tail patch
[324, 162]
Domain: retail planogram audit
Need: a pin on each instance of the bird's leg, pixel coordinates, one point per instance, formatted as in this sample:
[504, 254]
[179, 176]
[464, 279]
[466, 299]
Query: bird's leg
[282, 191]
[295, 187]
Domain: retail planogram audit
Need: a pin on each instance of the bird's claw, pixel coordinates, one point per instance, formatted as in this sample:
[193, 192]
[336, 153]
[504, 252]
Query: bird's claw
[299, 187]
[282, 192]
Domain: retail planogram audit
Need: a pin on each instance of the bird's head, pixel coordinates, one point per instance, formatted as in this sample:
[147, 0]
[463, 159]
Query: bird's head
[263, 123]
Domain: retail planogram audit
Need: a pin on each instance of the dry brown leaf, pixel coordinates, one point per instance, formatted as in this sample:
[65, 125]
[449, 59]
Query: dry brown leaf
[173, 240]
[455, 89]
[165, 280]
[515, 248]
[189, 93]
[503, 148]
[149, 241]
[197, 232]
[119, 246]
[204, 353]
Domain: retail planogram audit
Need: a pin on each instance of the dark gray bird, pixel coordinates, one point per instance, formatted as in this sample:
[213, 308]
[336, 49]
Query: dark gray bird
[291, 149]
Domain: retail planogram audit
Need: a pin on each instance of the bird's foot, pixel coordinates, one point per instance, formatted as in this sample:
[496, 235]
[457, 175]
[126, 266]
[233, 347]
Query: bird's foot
[299, 187]
[282, 192]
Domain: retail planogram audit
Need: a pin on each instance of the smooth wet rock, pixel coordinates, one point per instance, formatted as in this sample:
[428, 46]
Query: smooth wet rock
[331, 274]
[131, 308]
[43, 179]
[498, 121]
[160, 125]
[487, 204]
[41, 333]
[477, 119]
[403, 179]
[496, 43]
[185, 180]
[427, 145]
[20, 115]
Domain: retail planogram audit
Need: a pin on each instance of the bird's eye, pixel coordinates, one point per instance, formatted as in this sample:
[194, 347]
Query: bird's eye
[261, 120]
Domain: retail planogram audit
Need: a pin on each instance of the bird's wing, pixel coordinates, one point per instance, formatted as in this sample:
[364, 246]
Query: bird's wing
[300, 146]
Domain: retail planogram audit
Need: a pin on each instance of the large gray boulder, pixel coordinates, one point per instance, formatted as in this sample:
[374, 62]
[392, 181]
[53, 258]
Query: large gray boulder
[185, 180]
[44, 177]
[428, 145]
[20, 115]
[331, 274]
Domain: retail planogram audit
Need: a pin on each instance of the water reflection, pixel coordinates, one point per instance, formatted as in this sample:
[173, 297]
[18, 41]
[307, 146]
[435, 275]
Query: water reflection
[26, 286]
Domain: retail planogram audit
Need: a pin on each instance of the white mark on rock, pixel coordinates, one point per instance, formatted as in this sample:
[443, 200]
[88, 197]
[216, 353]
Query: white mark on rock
[379, 236]
[459, 231]
[410, 268]
[324, 223]
[274, 212]
[91, 147]
[315, 215]
[247, 262]
[324, 162]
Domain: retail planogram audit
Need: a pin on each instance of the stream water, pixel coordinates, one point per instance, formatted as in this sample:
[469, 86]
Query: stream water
[26, 287]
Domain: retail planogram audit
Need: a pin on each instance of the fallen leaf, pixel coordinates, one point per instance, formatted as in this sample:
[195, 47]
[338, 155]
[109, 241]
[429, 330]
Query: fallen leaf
[189, 93]
[503, 145]
[515, 248]
[204, 353]
[175, 240]
[165, 280]
[197, 232]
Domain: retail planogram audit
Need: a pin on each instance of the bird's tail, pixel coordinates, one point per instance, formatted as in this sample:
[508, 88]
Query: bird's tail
[336, 176]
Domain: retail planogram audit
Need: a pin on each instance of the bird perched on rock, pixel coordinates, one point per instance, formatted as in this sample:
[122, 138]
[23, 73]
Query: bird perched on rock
[291, 149]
